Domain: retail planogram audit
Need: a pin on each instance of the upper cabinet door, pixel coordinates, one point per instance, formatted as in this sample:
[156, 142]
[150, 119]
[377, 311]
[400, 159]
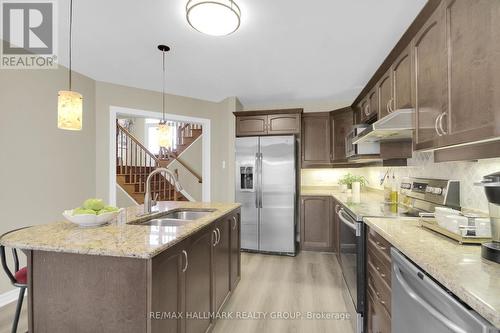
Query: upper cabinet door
[341, 126]
[315, 139]
[373, 102]
[429, 49]
[251, 125]
[401, 81]
[283, 123]
[365, 110]
[473, 39]
[385, 94]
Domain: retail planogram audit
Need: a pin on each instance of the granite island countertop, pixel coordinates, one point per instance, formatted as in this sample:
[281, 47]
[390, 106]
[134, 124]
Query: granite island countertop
[120, 238]
[459, 268]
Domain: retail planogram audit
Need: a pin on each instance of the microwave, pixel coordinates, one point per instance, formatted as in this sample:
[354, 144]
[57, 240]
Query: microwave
[365, 148]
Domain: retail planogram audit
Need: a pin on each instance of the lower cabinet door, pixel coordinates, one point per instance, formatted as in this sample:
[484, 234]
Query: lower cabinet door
[316, 226]
[378, 320]
[221, 262]
[198, 280]
[167, 289]
[235, 250]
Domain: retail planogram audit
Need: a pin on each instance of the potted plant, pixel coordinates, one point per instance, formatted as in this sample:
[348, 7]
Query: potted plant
[349, 180]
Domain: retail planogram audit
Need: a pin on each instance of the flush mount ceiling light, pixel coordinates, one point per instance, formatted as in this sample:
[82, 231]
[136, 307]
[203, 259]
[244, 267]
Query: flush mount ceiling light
[69, 103]
[213, 17]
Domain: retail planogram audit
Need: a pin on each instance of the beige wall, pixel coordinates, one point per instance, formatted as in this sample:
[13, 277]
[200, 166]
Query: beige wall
[44, 170]
[222, 130]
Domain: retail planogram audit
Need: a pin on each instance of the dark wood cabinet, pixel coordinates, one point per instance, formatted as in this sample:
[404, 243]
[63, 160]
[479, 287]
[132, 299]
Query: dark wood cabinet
[341, 125]
[316, 225]
[221, 248]
[364, 106]
[473, 80]
[198, 280]
[385, 94]
[168, 288]
[378, 283]
[323, 137]
[373, 102]
[283, 124]
[401, 77]
[445, 67]
[235, 250]
[268, 122]
[251, 125]
[316, 139]
[429, 49]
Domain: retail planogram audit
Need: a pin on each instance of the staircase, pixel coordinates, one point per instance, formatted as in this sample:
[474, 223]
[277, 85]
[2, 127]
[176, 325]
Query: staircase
[134, 163]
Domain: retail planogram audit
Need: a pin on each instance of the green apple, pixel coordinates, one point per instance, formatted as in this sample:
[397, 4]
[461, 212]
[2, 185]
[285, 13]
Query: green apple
[111, 209]
[94, 204]
[83, 211]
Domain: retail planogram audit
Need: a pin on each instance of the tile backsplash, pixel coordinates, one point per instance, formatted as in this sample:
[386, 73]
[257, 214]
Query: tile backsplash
[421, 165]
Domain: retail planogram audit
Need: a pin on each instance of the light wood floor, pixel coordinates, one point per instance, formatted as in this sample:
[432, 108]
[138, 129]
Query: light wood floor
[7, 316]
[310, 282]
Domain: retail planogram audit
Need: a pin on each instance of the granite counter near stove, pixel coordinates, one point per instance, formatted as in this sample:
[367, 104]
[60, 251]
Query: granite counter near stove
[371, 202]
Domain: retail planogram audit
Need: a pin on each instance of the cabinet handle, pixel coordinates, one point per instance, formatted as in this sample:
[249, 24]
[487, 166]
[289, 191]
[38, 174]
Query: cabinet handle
[337, 208]
[187, 263]
[380, 246]
[235, 222]
[218, 236]
[436, 124]
[387, 107]
[441, 123]
[215, 240]
[391, 101]
[367, 110]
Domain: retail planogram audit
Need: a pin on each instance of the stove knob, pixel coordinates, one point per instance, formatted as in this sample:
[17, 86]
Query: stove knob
[437, 190]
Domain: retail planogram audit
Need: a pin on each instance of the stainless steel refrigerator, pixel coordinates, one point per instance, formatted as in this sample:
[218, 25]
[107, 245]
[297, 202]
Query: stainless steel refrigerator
[266, 188]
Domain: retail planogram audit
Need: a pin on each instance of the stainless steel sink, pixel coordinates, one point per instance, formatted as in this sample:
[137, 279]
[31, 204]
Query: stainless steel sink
[187, 214]
[175, 218]
[165, 222]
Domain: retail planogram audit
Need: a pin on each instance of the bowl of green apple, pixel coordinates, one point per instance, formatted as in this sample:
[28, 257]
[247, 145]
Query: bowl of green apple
[93, 212]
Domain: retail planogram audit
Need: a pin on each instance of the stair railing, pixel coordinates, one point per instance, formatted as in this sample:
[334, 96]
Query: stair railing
[136, 162]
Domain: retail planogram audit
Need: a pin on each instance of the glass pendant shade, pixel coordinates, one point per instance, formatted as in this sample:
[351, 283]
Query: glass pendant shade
[213, 17]
[164, 135]
[69, 110]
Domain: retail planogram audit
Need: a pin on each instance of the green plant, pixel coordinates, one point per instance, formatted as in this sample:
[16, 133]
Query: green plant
[349, 178]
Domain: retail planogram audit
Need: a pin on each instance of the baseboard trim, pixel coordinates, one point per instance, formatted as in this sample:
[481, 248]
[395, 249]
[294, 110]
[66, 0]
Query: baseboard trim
[9, 297]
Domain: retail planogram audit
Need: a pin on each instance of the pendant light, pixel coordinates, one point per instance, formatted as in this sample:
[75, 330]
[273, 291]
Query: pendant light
[213, 17]
[164, 129]
[69, 103]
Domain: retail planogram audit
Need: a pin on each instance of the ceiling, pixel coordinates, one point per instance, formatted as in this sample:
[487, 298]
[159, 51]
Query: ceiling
[286, 51]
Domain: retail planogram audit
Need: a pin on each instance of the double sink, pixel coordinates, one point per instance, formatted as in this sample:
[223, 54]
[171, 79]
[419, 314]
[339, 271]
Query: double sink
[175, 218]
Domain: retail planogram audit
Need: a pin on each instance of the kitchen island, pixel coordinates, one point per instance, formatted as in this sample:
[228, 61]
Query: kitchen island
[128, 277]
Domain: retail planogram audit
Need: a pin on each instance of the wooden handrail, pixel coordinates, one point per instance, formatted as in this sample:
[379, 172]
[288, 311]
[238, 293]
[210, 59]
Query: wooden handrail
[137, 142]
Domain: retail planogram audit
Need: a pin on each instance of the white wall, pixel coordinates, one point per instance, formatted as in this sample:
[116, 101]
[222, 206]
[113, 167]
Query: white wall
[44, 170]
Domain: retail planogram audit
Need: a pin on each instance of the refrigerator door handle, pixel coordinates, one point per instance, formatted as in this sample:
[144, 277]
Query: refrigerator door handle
[256, 180]
[260, 179]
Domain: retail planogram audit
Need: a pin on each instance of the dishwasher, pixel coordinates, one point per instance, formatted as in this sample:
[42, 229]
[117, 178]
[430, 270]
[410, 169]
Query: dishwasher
[419, 304]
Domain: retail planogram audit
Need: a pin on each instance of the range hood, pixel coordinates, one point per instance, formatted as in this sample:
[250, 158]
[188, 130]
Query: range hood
[396, 126]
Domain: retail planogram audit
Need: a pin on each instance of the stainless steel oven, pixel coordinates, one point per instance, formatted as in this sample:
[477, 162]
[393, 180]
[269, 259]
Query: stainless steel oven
[352, 258]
